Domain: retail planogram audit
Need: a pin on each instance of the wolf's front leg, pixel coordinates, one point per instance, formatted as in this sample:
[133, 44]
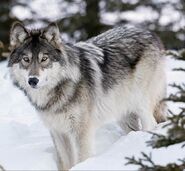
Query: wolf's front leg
[65, 147]
[72, 148]
[85, 139]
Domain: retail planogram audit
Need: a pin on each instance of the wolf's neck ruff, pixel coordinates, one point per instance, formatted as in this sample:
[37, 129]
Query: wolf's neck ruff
[64, 93]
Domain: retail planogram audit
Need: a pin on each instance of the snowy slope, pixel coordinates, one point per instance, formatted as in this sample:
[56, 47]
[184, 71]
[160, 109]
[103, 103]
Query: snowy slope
[25, 143]
[127, 146]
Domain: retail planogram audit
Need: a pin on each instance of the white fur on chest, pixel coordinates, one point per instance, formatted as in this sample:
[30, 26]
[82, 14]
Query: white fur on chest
[67, 120]
[39, 96]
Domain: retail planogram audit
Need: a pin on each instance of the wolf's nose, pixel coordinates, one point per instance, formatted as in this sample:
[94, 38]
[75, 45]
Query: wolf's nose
[33, 81]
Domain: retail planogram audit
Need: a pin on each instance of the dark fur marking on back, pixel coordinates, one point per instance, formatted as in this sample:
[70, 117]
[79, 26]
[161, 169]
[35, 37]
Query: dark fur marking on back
[86, 70]
[116, 66]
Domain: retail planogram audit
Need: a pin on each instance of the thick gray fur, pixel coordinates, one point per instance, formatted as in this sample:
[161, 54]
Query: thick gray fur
[116, 75]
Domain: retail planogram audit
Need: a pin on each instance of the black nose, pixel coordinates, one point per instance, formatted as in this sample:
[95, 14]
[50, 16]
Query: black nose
[33, 81]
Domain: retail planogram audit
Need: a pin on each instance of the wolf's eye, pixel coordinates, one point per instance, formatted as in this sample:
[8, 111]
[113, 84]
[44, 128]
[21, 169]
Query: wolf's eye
[26, 59]
[44, 58]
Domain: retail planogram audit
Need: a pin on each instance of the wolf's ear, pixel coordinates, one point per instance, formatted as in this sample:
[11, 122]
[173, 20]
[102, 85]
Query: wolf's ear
[52, 34]
[17, 35]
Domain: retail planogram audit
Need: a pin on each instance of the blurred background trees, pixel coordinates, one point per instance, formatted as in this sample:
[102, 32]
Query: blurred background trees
[81, 19]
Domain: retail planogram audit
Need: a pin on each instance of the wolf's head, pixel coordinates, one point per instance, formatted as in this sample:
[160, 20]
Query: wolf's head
[37, 57]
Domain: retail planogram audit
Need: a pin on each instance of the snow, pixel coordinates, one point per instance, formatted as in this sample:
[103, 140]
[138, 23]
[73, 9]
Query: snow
[25, 143]
[128, 146]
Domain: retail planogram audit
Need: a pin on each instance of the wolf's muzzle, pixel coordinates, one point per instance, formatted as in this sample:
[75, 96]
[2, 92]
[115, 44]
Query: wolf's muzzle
[33, 82]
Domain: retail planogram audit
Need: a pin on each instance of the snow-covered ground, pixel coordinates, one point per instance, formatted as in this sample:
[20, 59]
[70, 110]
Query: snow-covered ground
[25, 143]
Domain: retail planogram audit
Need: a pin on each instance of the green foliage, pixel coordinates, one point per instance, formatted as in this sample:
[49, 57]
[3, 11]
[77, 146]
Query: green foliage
[146, 164]
[179, 96]
[175, 132]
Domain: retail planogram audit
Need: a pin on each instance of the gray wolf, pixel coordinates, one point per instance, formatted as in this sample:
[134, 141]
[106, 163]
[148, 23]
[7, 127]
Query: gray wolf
[118, 75]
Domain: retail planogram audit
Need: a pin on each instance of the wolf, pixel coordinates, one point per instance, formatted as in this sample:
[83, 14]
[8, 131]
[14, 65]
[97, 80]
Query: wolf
[118, 75]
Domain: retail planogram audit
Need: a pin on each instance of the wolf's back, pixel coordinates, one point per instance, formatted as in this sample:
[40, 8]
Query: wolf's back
[132, 65]
[128, 35]
[123, 48]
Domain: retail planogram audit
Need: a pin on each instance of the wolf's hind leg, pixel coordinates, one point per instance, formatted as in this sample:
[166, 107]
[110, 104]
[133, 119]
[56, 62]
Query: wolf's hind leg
[129, 122]
[148, 121]
[160, 112]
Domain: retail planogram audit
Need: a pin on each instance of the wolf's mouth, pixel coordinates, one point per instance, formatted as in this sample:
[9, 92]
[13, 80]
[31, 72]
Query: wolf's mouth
[34, 86]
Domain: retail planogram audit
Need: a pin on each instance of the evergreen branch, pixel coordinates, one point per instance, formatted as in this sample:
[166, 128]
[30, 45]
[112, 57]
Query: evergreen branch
[133, 160]
[179, 69]
[179, 87]
[174, 98]
[172, 53]
[175, 133]
[180, 55]
[146, 164]
[179, 96]
[148, 158]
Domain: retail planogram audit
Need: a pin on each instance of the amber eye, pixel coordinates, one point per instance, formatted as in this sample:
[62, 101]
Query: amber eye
[26, 59]
[44, 59]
